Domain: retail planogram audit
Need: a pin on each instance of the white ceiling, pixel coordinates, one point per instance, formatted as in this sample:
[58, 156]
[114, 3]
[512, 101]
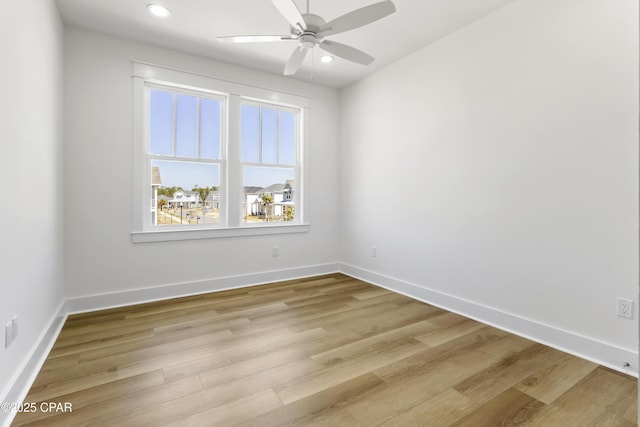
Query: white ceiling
[195, 24]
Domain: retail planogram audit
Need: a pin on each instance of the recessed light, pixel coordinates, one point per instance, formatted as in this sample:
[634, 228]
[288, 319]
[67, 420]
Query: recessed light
[326, 59]
[158, 10]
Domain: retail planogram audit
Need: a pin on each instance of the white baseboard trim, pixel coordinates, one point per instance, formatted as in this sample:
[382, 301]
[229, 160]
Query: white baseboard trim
[26, 374]
[176, 290]
[603, 353]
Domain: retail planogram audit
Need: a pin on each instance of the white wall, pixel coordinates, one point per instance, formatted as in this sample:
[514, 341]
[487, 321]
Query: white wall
[100, 257]
[31, 175]
[519, 134]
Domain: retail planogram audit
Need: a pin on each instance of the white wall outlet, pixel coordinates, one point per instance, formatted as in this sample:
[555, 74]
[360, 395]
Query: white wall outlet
[374, 252]
[625, 308]
[276, 251]
[8, 334]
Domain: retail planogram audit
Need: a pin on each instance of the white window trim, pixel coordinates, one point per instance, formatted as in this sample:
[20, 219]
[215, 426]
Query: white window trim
[146, 73]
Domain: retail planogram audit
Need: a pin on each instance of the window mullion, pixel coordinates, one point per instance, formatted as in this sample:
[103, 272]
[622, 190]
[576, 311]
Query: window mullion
[278, 137]
[175, 124]
[260, 135]
[198, 142]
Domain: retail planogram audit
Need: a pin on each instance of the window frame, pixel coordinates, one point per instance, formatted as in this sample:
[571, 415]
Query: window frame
[231, 181]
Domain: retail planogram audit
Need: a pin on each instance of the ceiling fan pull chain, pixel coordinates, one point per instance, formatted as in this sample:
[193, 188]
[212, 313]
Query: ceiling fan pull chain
[313, 61]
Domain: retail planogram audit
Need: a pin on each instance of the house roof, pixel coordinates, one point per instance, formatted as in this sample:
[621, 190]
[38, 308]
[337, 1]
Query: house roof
[273, 188]
[292, 183]
[211, 194]
[277, 188]
[189, 194]
[252, 190]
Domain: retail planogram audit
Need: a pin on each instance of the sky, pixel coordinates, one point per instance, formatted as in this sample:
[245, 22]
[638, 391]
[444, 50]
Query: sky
[267, 136]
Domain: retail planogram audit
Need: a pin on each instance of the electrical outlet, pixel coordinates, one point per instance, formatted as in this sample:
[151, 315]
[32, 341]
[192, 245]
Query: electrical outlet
[374, 252]
[625, 308]
[276, 251]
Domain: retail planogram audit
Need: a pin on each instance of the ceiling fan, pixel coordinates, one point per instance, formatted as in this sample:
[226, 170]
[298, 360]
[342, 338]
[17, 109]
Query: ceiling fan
[310, 30]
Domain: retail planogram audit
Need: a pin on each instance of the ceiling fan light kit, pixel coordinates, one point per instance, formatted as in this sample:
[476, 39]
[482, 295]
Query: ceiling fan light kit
[310, 30]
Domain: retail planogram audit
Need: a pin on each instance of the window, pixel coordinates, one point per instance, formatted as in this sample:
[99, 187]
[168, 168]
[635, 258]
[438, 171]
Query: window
[184, 149]
[269, 162]
[214, 158]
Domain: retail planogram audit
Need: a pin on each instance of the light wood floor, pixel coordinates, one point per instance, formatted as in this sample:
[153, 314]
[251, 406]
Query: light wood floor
[329, 351]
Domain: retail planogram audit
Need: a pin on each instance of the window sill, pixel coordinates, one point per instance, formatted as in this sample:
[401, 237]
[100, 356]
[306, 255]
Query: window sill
[215, 233]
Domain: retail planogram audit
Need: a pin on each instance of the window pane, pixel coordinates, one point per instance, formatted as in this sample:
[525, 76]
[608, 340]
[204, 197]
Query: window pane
[161, 122]
[209, 128]
[185, 193]
[187, 126]
[269, 136]
[268, 194]
[250, 135]
[287, 130]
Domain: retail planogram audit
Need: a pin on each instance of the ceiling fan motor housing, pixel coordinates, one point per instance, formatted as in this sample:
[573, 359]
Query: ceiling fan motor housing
[308, 40]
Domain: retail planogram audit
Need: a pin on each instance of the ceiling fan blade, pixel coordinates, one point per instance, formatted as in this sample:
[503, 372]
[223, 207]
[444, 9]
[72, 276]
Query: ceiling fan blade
[254, 39]
[358, 18]
[347, 52]
[295, 61]
[291, 13]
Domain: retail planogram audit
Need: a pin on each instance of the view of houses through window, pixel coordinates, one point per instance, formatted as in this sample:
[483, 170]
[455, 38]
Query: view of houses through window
[187, 156]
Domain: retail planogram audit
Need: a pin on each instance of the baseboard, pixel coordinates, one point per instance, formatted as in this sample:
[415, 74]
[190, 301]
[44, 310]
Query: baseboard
[603, 353]
[176, 290]
[26, 374]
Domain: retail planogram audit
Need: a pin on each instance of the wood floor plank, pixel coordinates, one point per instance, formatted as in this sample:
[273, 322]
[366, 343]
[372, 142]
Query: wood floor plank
[372, 342]
[117, 411]
[387, 402]
[244, 385]
[509, 408]
[387, 320]
[418, 378]
[232, 413]
[94, 395]
[444, 408]
[608, 396]
[238, 351]
[320, 407]
[467, 349]
[351, 368]
[508, 372]
[319, 351]
[438, 336]
[59, 351]
[549, 384]
[76, 369]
